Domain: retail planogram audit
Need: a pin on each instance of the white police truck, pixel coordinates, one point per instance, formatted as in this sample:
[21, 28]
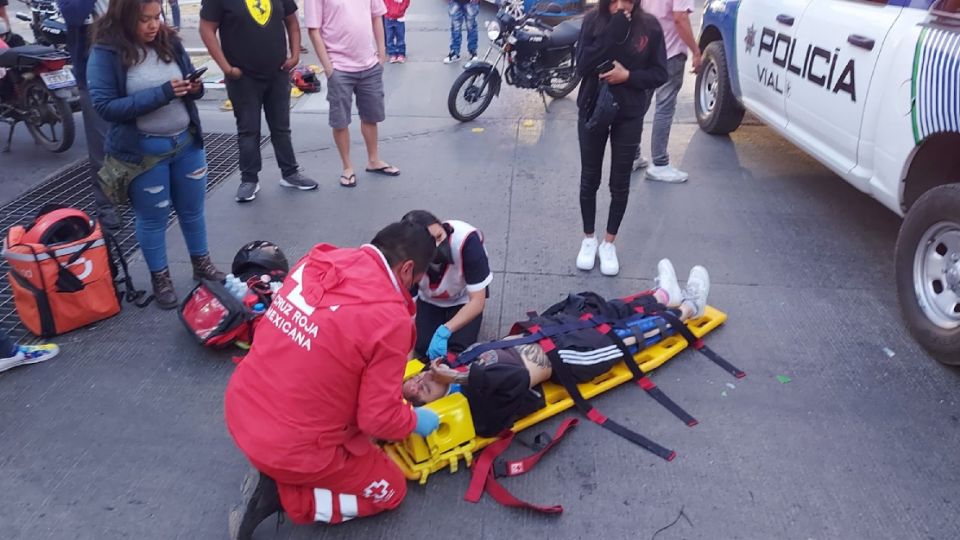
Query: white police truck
[871, 89]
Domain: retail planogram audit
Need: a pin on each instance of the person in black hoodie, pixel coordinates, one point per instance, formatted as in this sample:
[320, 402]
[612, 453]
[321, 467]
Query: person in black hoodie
[622, 47]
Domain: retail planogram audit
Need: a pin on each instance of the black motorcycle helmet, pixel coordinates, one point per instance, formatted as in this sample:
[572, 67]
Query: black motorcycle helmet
[257, 258]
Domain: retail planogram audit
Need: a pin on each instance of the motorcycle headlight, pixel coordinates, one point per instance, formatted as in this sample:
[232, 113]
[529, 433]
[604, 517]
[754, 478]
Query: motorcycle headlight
[493, 30]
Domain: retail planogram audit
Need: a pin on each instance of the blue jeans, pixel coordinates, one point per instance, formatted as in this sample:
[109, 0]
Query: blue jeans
[7, 347]
[458, 15]
[396, 36]
[179, 181]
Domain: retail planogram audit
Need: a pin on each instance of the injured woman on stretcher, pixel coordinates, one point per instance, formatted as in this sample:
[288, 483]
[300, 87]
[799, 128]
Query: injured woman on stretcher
[501, 381]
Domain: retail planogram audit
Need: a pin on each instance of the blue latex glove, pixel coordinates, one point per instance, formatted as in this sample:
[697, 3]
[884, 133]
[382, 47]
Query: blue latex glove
[438, 345]
[427, 421]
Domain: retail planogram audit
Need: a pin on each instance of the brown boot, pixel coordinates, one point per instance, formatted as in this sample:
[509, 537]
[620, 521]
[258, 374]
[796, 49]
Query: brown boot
[203, 268]
[163, 291]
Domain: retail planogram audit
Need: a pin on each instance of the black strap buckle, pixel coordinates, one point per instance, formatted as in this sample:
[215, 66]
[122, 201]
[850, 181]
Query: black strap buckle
[500, 468]
[539, 442]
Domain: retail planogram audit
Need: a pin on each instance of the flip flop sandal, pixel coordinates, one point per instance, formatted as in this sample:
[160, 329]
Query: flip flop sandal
[348, 183]
[383, 170]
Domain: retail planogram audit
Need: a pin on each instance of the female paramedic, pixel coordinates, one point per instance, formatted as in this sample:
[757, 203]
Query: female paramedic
[453, 291]
[621, 57]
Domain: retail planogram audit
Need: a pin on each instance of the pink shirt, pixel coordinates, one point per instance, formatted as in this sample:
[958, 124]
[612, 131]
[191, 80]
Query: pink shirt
[663, 10]
[346, 28]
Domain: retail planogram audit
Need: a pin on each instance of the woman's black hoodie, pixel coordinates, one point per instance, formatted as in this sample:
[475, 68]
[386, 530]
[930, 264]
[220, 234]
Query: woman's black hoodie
[644, 55]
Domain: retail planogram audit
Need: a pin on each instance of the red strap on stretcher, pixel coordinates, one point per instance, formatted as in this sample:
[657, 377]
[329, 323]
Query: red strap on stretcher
[484, 477]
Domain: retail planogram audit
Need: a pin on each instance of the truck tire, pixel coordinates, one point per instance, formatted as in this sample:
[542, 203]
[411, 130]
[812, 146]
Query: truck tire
[718, 111]
[927, 266]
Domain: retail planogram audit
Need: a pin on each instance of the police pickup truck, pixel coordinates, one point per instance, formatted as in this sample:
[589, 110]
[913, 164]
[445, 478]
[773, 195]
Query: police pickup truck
[871, 89]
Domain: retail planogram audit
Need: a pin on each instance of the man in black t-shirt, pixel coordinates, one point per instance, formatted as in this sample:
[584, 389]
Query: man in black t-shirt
[252, 51]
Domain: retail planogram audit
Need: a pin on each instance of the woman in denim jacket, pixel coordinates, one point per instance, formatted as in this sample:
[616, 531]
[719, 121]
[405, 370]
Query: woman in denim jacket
[137, 79]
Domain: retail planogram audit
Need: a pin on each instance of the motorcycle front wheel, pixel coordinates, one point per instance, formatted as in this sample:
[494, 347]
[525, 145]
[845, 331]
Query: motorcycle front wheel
[470, 94]
[49, 118]
[560, 88]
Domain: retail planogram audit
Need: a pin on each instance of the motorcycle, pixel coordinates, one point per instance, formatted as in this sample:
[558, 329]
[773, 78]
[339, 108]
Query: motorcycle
[46, 22]
[39, 90]
[531, 55]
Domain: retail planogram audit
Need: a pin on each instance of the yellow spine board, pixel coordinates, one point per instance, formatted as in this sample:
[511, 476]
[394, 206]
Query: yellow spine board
[456, 439]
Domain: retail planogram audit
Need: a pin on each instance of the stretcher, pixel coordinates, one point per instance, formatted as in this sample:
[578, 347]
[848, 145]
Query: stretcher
[455, 440]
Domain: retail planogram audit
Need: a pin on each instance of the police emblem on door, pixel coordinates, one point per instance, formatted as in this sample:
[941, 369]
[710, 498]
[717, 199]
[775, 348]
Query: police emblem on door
[260, 10]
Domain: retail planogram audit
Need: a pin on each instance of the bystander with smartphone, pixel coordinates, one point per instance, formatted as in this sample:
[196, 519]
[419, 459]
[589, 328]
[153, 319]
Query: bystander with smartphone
[140, 81]
[621, 57]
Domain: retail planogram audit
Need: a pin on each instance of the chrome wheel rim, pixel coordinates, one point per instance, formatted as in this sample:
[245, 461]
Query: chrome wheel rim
[936, 274]
[709, 88]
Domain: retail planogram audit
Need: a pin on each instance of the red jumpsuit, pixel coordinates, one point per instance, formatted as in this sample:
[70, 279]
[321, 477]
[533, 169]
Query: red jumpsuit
[323, 378]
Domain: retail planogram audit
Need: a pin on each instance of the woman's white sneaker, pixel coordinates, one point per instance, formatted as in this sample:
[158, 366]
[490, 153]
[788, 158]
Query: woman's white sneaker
[609, 265]
[666, 280]
[588, 253]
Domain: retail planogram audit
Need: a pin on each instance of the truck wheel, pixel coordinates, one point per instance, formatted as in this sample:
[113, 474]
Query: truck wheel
[927, 264]
[718, 111]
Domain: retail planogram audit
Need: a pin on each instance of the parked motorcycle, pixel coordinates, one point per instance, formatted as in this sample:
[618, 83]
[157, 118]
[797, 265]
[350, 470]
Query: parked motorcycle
[38, 89]
[46, 22]
[531, 54]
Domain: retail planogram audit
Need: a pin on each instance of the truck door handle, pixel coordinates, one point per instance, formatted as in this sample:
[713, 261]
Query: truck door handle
[861, 41]
[785, 19]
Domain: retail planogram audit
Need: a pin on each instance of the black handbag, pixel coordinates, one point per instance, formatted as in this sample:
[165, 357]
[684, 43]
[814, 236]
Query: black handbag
[605, 109]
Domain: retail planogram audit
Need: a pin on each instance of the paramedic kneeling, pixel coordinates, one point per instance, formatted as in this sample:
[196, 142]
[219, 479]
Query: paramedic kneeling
[453, 291]
[323, 380]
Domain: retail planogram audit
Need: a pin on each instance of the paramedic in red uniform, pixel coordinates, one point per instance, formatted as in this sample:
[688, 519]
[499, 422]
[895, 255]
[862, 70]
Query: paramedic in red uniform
[453, 291]
[322, 382]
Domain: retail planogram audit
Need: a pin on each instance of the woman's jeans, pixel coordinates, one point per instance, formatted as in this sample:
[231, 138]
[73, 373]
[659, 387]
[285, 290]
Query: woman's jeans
[458, 15]
[179, 181]
[624, 135]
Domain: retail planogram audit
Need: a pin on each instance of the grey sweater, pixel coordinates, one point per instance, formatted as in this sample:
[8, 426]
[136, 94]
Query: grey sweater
[172, 118]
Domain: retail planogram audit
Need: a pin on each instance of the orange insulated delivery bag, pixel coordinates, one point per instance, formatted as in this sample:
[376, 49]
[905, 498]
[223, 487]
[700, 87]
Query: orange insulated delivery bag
[61, 272]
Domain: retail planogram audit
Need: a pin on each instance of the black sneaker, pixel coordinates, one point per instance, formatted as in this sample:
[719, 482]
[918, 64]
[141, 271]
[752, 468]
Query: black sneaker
[298, 181]
[247, 191]
[260, 500]
[451, 58]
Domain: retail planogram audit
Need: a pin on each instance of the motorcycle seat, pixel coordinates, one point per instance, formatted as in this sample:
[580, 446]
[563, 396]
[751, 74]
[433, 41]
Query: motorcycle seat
[14, 57]
[565, 33]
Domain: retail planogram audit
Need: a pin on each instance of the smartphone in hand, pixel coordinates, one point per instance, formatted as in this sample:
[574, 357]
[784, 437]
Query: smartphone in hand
[605, 67]
[195, 76]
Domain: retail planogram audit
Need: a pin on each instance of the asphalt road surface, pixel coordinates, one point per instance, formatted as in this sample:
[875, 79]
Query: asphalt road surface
[122, 435]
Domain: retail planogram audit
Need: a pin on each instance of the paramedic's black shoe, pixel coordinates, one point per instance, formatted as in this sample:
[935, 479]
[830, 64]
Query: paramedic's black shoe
[696, 291]
[203, 268]
[298, 181]
[260, 500]
[163, 291]
[247, 191]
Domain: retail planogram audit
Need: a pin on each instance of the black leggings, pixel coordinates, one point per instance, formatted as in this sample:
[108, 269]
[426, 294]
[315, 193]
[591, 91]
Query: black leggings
[624, 137]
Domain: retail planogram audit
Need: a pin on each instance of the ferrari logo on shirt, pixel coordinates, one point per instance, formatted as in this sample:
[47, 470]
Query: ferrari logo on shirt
[260, 10]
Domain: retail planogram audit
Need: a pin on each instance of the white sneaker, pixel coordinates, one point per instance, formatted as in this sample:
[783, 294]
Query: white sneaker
[588, 253]
[609, 265]
[640, 163]
[666, 281]
[666, 173]
[697, 289]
